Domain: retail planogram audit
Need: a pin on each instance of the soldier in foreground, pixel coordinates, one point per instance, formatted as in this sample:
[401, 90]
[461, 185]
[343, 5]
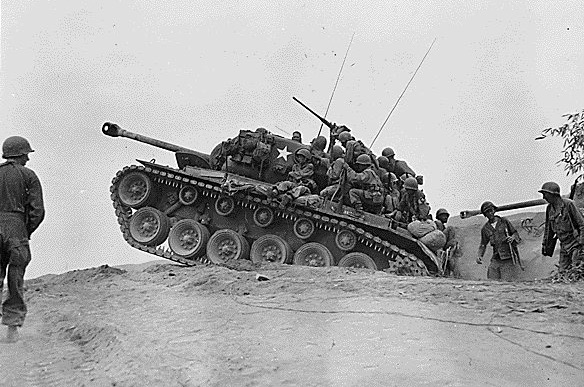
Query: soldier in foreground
[21, 212]
[503, 237]
[563, 221]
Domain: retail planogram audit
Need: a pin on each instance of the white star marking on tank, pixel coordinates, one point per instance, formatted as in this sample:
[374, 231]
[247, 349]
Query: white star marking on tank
[283, 153]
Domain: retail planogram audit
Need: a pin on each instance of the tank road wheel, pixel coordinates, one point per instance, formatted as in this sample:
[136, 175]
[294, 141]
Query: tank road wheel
[270, 248]
[188, 238]
[263, 217]
[149, 226]
[346, 240]
[188, 195]
[359, 260]
[225, 205]
[304, 228]
[135, 189]
[313, 254]
[225, 245]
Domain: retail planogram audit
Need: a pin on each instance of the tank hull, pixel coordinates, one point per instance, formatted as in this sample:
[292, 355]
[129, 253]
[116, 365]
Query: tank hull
[231, 218]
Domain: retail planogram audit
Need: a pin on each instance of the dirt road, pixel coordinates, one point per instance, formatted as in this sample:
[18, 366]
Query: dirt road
[164, 325]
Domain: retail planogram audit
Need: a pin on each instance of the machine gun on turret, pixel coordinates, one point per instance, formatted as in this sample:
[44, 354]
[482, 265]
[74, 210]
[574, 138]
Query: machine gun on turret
[334, 128]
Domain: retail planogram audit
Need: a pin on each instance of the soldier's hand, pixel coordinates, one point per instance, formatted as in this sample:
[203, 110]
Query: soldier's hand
[509, 239]
[479, 261]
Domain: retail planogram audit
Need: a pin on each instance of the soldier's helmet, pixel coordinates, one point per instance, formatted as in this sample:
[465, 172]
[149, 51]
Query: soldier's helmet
[303, 152]
[550, 187]
[345, 136]
[337, 152]
[486, 206]
[363, 160]
[392, 177]
[441, 211]
[388, 152]
[15, 146]
[383, 162]
[319, 142]
[411, 184]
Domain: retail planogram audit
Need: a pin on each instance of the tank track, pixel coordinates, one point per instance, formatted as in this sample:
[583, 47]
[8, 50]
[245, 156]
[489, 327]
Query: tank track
[401, 262]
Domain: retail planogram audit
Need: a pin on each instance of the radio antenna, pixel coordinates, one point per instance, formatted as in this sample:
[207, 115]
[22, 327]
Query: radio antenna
[403, 92]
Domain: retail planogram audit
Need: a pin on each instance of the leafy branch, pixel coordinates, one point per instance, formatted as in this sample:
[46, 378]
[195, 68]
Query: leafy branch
[573, 134]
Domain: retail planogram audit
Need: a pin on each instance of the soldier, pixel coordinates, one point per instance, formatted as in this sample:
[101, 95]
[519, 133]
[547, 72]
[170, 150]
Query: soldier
[21, 212]
[399, 167]
[299, 181]
[503, 237]
[441, 221]
[367, 191]
[563, 221]
[345, 137]
[334, 173]
[297, 136]
[317, 146]
[392, 194]
[413, 204]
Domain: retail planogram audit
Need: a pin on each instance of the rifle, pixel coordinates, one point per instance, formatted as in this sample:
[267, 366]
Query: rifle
[514, 253]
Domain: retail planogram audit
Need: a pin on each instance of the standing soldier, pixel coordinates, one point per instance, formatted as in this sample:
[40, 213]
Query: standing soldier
[499, 232]
[367, 189]
[21, 212]
[450, 246]
[563, 221]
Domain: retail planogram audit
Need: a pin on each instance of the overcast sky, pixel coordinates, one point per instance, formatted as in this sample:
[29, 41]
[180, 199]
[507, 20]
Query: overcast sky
[194, 74]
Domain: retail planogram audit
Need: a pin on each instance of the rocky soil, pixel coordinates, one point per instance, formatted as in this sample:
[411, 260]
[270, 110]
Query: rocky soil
[161, 324]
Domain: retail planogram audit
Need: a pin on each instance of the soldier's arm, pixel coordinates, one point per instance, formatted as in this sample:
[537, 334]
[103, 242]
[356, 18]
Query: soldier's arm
[548, 243]
[35, 205]
[483, 246]
[512, 231]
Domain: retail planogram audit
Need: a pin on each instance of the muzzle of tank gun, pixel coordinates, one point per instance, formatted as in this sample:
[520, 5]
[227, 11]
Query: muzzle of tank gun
[469, 213]
[111, 129]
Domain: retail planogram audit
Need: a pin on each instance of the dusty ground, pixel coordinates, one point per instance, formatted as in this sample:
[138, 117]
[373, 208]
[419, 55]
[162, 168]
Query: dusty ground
[165, 325]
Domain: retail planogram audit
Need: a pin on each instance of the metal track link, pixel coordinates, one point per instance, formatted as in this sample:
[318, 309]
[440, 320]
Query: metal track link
[400, 261]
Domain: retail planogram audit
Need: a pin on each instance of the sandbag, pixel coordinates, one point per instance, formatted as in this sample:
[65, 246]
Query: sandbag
[435, 240]
[308, 200]
[420, 228]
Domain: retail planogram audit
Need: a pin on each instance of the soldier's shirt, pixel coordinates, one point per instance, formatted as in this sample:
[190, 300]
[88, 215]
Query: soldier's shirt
[495, 236]
[564, 220]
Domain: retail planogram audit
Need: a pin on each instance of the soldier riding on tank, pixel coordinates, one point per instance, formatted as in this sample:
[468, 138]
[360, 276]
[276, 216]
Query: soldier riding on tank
[300, 180]
[335, 172]
[413, 204]
[367, 191]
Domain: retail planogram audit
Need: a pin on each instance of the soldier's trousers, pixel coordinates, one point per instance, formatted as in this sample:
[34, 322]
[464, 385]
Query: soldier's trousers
[503, 270]
[14, 257]
[570, 253]
[360, 199]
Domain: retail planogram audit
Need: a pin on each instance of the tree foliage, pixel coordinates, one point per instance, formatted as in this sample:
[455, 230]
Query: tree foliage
[573, 134]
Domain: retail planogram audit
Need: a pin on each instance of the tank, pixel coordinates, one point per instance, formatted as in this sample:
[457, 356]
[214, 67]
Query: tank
[217, 208]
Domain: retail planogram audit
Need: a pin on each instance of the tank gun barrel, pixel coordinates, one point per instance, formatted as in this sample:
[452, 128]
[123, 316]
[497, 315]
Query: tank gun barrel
[505, 207]
[114, 130]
